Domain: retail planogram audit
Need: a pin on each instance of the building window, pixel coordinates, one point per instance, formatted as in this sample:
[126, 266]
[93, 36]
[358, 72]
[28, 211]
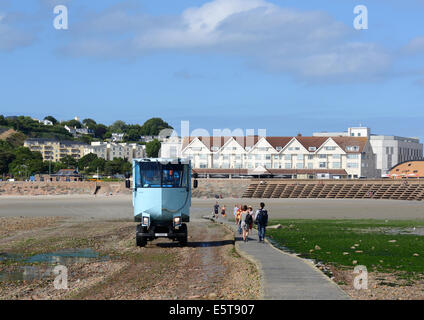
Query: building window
[353, 156]
[287, 166]
[300, 157]
[299, 165]
[352, 148]
[337, 165]
[352, 165]
[322, 156]
[310, 165]
[287, 157]
[323, 164]
[336, 156]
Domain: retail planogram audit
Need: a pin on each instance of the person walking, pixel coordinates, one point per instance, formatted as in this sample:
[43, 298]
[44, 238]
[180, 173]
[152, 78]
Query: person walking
[236, 208]
[244, 223]
[262, 221]
[223, 214]
[250, 210]
[238, 219]
[216, 209]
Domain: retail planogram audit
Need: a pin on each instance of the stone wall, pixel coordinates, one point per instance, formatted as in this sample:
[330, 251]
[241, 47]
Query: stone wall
[228, 188]
[20, 188]
[208, 188]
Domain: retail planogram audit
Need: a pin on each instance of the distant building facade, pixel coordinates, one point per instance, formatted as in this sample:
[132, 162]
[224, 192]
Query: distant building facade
[389, 150]
[55, 150]
[289, 157]
[78, 131]
[111, 150]
[117, 137]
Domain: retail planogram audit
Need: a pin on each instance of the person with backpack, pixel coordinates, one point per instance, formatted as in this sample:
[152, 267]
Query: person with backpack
[216, 210]
[261, 221]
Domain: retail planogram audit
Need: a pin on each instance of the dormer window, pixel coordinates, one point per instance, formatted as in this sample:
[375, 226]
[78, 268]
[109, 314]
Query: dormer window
[312, 149]
[352, 148]
[279, 148]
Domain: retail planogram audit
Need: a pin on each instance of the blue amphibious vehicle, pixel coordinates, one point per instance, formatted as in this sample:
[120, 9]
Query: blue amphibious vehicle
[161, 198]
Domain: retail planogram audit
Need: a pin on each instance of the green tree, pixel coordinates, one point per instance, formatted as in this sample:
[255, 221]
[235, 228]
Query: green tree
[73, 124]
[3, 121]
[88, 122]
[152, 148]
[118, 126]
[153, 126]
[97, 164]
[6, 158]
[26, 162]
[100, 131]
[69, 161]
[85, 161]
[132, 135]
[52, 119]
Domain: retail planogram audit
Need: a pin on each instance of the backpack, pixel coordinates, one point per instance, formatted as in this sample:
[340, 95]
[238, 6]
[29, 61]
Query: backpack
[262, 217]
[248, 220]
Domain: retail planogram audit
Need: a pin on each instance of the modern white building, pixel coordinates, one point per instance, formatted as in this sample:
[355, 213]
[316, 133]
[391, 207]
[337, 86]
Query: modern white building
[171, 148]
[389, 150]
[110, 150]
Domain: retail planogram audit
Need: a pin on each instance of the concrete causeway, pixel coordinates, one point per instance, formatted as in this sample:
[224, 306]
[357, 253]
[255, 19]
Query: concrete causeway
[286, 276]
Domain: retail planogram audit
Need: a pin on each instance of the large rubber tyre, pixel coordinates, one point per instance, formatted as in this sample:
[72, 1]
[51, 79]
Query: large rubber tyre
[183, 240]
[140, 241]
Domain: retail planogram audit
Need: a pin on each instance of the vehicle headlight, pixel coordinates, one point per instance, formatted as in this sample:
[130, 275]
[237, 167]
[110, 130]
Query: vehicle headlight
[177, 221]
[146, 221]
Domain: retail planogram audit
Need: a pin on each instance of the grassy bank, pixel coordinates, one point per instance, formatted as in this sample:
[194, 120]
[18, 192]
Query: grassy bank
[380, 245]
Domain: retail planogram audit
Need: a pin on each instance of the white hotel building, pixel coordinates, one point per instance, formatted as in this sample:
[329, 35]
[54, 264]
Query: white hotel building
[389, 150]
[288, 157]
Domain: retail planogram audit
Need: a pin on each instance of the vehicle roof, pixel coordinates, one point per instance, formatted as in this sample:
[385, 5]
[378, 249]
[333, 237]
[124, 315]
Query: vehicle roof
[164, 160]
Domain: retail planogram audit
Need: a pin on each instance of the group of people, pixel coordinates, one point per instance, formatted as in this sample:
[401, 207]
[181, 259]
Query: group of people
[245, 217]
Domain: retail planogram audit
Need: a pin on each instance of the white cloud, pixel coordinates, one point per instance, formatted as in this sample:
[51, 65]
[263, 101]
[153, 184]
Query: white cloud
[415, 46]
[309, 45]
[11, 37]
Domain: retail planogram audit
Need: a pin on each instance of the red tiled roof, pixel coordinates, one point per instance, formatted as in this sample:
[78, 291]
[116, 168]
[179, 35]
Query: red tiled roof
[271, 171]
[344, 142]
[275, 142]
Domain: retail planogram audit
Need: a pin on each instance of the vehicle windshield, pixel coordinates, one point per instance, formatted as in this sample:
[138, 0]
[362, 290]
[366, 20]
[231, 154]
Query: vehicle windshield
[156, 175]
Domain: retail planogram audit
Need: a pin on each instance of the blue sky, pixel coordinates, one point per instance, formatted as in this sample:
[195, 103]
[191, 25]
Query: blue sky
[287, 66]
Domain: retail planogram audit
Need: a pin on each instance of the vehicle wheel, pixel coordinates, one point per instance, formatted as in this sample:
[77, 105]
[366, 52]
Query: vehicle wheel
[183, 239]
[141, 241]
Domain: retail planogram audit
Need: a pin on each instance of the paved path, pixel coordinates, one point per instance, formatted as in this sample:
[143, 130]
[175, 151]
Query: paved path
[285, 276]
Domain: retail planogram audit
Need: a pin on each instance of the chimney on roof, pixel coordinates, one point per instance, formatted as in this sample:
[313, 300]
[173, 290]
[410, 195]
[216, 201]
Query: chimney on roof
[299, 134]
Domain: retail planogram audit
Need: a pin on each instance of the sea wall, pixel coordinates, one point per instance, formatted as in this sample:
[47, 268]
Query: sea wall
[21, 188]
[207, 188]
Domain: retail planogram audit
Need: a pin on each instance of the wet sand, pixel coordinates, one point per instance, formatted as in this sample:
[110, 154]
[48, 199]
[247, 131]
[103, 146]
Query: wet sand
[120, 207]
